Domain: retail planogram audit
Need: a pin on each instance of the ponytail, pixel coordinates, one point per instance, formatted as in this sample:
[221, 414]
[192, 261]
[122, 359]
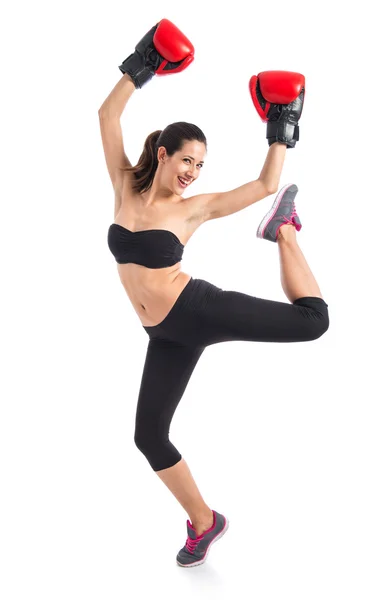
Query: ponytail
[144, 170]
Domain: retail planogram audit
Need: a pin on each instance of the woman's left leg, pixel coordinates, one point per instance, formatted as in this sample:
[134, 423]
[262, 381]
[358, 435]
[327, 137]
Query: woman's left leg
[235, 316]
[297, 279]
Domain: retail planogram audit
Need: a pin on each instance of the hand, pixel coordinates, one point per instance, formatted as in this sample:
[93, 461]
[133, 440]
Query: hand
[163, 50]
[278, 97]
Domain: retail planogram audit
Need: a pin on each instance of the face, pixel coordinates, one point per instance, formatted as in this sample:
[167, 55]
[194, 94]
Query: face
[184, 167]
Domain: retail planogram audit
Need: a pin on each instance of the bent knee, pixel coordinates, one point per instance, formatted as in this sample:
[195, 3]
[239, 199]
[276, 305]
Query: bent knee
[143, 441]
[315, 314]
[149, 442]
[319, 327]
[160, 453]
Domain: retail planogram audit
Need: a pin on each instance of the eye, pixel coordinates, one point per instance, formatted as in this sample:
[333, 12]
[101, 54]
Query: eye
[200, 164]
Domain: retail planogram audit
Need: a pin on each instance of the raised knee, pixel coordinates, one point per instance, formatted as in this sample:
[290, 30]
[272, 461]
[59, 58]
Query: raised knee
[315, 316]
[319, 326]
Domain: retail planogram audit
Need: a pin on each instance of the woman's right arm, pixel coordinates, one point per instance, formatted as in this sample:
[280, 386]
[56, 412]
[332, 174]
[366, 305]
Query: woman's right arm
[111, 133]
[116, 101]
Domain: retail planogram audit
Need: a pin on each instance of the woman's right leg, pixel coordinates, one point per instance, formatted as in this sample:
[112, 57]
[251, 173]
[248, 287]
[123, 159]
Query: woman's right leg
[167, 370]
[181, 484]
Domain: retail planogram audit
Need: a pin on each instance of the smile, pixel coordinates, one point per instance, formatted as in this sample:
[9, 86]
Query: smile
[183, 182]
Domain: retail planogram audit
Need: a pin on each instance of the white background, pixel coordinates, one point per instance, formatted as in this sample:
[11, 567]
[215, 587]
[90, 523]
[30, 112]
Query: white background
[285, 440]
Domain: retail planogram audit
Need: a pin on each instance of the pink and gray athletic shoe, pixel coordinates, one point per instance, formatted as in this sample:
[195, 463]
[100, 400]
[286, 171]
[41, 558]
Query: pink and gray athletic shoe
[196, 549]
[283, 211]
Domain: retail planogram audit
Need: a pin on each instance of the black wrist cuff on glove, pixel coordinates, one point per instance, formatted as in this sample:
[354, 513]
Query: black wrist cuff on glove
[134, 65]
[283, 132]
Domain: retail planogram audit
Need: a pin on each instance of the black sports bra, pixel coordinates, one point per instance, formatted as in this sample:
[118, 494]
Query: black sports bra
[153, 248]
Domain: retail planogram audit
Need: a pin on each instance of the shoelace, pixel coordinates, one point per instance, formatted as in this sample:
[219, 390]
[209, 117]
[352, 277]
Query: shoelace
[191, 544]
[294, 214]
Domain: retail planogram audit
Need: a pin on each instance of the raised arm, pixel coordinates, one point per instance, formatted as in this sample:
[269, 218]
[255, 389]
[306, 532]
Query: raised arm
[116, 101]
[278, 97]
[162, 50]
[221, 204]
[111, 133]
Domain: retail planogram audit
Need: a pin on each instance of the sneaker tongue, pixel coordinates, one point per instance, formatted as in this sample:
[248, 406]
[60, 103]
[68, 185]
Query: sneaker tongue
[191, 531]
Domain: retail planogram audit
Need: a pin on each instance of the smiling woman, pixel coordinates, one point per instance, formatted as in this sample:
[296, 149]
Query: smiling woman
[182, 315]
[170, 141]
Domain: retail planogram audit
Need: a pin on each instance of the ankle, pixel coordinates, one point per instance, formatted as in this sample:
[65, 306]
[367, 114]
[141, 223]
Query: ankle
[286, 233]
[203, 522]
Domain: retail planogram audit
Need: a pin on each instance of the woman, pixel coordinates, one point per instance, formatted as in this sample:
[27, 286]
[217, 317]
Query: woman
[180, 314]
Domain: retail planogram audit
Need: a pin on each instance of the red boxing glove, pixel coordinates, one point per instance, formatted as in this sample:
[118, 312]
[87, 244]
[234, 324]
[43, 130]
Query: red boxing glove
[163, 50]
[278, 97]
[175, 48]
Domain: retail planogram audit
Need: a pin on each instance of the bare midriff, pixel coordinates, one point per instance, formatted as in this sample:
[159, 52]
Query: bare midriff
[153, 292]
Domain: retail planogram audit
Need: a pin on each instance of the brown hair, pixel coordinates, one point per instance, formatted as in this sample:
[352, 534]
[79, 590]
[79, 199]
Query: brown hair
[172, 138]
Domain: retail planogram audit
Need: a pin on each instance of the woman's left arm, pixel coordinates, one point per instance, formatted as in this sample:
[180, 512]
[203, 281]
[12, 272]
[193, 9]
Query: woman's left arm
[271, 171]
[205, 207]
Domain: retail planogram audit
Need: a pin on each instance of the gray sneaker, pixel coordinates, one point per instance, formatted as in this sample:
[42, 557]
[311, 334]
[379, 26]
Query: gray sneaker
[196, 549]
[283, 211]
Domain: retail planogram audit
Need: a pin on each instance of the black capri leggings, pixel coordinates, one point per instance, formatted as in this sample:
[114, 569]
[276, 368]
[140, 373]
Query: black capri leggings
[203, 315]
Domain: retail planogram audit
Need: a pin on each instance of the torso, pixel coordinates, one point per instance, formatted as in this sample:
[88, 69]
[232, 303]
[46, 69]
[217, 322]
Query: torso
[153, 292]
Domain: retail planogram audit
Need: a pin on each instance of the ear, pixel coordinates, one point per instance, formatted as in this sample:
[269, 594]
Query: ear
[161, 154]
